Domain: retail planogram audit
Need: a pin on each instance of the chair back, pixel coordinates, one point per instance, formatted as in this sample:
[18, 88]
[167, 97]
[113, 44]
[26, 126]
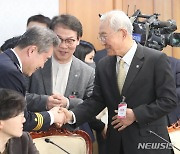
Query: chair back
[174, 133]
[62, 141]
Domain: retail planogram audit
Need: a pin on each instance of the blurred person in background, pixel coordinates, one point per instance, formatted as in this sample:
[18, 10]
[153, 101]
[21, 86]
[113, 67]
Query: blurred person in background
[85, 51]
[35, 20]
[38, 20]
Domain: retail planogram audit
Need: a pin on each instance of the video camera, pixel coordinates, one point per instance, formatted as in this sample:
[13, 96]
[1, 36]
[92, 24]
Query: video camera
[154, 33]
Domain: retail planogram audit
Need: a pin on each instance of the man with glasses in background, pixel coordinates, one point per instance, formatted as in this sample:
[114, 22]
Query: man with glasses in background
[63, 76]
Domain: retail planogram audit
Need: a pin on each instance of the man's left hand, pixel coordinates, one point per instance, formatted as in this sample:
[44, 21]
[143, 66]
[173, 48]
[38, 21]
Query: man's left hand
[122, 123]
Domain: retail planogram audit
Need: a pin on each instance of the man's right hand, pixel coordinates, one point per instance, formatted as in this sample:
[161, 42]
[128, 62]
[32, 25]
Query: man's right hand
[68, 114]
[59, 116]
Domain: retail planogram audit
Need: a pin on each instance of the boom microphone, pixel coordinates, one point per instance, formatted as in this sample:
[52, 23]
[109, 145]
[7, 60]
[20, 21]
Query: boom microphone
[49, 141]
[152, 132]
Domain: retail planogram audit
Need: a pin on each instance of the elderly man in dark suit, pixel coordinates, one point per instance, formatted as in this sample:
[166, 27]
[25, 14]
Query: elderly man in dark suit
[148, 89]
[33, 49]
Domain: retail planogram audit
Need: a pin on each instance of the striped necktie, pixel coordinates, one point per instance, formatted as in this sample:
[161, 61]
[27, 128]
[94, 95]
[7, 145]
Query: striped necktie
[121, 75]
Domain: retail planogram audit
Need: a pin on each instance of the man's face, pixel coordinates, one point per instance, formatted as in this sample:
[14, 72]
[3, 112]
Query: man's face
[68, 44]
[36, 60]
[112, 40]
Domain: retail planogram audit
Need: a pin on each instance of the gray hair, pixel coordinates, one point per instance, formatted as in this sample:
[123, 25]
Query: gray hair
[118, 20]
[43, 38]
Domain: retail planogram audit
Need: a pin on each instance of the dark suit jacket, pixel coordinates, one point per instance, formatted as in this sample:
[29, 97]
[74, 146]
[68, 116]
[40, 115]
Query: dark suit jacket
[149, 89]
[174, 116]
[100, 54]
[22, 145]
[12, 78]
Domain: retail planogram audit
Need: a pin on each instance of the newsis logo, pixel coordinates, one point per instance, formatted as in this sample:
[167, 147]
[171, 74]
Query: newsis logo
[150, 146]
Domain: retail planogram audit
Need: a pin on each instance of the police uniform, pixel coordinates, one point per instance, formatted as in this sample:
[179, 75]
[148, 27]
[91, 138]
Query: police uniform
[11, 77]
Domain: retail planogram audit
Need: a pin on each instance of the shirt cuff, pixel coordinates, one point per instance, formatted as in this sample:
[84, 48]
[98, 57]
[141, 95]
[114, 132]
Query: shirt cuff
[51, 117]
[67, 106]
[73, 120]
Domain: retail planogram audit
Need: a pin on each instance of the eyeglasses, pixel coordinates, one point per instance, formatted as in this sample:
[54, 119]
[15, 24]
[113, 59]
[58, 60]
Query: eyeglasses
[104, 37]
[68, 42]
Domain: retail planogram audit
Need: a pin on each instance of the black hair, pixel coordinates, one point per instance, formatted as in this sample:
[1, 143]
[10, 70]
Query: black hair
[10, 43]
[69, 22]
[11, 103]
[83, 49]
[39, 18]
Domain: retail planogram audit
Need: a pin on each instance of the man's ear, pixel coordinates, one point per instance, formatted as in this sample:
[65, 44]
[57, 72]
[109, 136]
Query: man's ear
[124, 32]
[78, 40]
[1, 124]
[31, 49]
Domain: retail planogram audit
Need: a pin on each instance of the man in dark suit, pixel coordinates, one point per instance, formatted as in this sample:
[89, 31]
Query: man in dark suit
[173, 116]
[33, 49]
[149, 91]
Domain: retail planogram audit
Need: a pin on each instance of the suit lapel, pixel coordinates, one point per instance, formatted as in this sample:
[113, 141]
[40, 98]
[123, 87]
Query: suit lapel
[112, 78]
[135, 66]
[73, 78]
[13, 57]
[47, 76]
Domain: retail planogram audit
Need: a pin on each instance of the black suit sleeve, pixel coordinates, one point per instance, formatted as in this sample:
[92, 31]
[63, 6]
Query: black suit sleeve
[96, 124]
[14, 79]
[166, 99]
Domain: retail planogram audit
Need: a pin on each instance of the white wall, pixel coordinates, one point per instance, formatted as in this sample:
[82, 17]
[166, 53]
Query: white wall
[14, 15]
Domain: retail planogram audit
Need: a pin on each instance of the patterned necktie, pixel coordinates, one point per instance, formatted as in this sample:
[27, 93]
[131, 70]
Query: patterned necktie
[121, 75]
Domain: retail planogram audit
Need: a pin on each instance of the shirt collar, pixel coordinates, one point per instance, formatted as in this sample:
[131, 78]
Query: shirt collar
[19, 60]
[129, 55]
[56, 63]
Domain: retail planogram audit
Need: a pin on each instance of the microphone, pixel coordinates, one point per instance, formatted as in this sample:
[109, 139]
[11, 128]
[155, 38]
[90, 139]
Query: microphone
[49, 141]
[152, 132]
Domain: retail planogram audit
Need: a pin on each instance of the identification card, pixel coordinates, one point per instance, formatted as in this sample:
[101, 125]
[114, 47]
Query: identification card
[122, 110]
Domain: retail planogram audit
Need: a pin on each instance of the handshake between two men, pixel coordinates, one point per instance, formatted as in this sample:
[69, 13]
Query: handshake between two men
[57, 105]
